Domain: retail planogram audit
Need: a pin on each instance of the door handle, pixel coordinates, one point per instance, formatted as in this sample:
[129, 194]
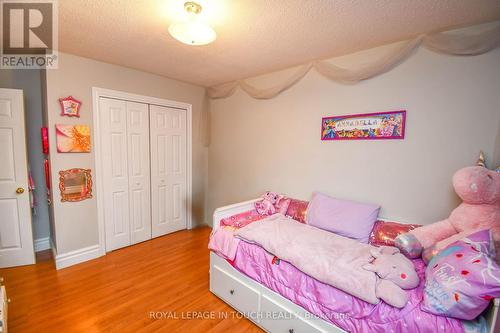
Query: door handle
[20, 190]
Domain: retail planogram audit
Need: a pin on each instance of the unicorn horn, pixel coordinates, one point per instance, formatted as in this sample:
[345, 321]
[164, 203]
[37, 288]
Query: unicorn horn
[481, 160]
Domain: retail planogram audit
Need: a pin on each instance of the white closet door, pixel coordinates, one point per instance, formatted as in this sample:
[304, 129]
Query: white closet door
[168, 169]
[113, 122]
[139, 180]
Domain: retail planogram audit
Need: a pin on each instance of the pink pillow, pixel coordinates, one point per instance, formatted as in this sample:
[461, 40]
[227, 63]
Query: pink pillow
[462, 278]
[384, 233]
[297, 210]
[343, 217]
[242, 219]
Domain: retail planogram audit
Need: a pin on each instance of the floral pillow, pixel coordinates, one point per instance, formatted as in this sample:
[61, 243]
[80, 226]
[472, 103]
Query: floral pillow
[461, 279]
[384, 233]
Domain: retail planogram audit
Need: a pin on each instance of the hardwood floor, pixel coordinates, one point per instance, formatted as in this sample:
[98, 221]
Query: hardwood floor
[167, 276]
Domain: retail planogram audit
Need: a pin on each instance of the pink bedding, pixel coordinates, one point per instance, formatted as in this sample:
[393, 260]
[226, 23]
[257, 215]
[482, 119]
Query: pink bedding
[223, 242]
[242, 219]
[328, 257]
[333, 305]
[324, 301]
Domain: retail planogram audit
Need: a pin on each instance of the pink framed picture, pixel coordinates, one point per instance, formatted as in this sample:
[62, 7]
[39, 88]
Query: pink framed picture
[70, 106]
[73, 138]
[369, 126]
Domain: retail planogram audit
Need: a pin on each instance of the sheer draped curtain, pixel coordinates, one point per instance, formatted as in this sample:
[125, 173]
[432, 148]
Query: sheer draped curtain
[466, 42]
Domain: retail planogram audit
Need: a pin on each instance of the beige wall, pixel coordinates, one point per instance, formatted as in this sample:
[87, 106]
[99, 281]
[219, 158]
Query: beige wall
[76, 223]
[453, 106]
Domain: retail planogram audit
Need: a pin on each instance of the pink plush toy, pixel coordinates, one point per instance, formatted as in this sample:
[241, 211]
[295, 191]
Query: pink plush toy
[395, 272]
[479, 188]
[272, 203]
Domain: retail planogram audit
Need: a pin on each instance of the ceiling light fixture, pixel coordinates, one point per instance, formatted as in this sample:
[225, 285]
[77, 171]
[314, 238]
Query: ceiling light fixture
[192, 31]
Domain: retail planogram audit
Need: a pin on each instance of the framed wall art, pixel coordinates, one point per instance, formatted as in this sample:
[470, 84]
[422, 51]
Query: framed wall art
[369, 126]
[70, 106]
[75, 184]
[73, 138]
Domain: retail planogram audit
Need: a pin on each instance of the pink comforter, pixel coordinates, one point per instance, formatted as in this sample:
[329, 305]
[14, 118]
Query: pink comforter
[329, 303]
[328, 257]
[333, 305]
[223, 242]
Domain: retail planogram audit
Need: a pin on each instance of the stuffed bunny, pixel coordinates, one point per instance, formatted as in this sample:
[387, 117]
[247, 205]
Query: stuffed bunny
[479, 188]
[395, 272]
[272, 203]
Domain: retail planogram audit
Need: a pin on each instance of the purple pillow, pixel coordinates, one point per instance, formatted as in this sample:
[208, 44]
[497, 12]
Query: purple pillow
[346, 218]
[462, 278]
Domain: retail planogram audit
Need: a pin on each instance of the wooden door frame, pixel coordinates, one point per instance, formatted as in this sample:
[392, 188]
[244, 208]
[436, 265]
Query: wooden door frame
[97, 93]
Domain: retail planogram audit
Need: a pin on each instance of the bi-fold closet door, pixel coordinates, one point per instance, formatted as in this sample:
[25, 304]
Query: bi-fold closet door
[168, 169]
[126, 172]
[143, 155]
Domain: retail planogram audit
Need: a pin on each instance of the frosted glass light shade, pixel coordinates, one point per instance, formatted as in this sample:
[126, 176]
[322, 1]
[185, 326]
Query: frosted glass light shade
[192, 32]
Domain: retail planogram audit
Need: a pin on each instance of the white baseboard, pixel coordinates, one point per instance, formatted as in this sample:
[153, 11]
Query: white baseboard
[54, 249]
[42, 244]
[76, 257]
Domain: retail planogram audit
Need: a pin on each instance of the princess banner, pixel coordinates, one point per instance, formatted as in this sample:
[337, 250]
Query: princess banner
[369, 126]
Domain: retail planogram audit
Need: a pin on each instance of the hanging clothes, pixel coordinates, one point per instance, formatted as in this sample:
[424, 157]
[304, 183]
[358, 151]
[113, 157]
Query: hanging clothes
[31, 188]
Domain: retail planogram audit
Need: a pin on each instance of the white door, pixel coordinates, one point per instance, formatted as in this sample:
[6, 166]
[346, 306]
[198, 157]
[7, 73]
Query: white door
[168, 169]
[138, 171]
[125, 161]
[16, 238]
[113, 122]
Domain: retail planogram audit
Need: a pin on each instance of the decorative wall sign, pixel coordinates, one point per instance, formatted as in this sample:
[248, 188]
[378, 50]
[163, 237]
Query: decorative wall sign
[70, 107]
[75, 184]
[45, 140]
[73, 138]
[369, 126]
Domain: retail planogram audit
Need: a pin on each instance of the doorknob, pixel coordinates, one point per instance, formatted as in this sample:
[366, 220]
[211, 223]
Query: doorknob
[20, 190]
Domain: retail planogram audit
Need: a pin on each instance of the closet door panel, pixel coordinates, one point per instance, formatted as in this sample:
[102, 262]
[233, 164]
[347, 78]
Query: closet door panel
[178, 176]
[139, 173]
[168, 169]
[113, 123]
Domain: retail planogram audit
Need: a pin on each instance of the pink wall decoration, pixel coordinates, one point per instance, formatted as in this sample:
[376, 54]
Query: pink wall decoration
[73, 138]
[369, 126]
[45, 140]
[70, 106]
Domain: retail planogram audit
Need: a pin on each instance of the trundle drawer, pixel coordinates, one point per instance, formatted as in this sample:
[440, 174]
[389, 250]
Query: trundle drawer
[239, 295]
[276, 319]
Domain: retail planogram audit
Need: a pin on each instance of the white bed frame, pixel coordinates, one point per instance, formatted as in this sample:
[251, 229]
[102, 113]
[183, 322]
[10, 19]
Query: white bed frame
[267, 309]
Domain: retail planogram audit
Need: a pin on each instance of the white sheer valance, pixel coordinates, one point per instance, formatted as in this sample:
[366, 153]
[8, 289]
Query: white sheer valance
[460, 43]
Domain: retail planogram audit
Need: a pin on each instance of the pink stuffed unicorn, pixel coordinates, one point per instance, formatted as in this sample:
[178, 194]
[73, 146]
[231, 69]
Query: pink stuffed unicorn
[272, 203]
[479, 188]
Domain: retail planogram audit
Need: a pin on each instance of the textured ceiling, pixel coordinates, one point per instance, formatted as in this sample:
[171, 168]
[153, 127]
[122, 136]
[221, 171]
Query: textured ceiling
[253, 36]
